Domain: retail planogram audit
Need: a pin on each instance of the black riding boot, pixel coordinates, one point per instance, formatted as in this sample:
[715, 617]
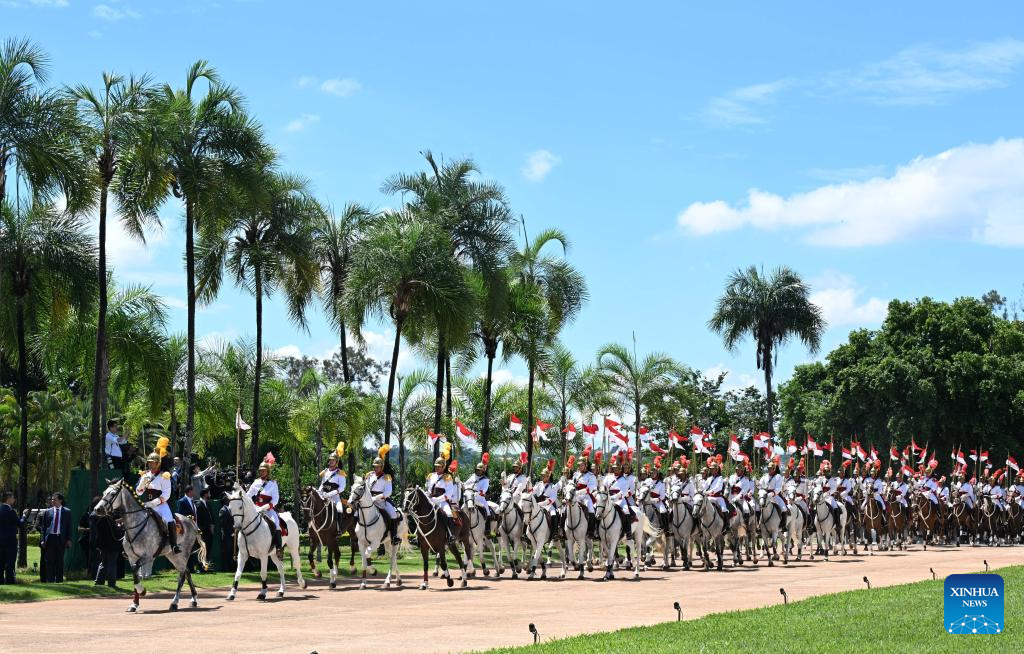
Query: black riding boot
[835, 516]
[276, 541]
[591, 526]
[393, 530]
[663, 519]
[449, 531]
[172, 537]
[784, 519]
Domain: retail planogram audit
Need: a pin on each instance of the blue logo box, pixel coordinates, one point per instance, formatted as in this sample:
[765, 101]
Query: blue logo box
[974, 604]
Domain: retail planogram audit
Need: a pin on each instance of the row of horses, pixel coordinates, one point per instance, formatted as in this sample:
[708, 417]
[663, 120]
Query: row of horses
[525, 538]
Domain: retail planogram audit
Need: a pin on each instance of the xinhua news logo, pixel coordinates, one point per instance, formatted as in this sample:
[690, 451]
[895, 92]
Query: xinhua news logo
[974, 604]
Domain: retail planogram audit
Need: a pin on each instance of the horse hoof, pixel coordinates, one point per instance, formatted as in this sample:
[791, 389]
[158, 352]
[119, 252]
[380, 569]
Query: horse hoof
[435, 573]
[194, 603]
[387, 585]
[132, 608]
[449, 581]
[465, 583]
[771, 564]
[262, 598]
[142, 593]
[302, 584]
[334, 585]
[280, 593]
[317, 574]
[362, 585]
[487, 573]
[231, 598]
[515, 575]
[423, 586]
[580, 576]
[398, 582]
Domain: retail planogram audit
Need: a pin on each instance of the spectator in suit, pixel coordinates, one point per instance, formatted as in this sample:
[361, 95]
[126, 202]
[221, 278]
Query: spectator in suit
[10, 524]
[107, 534]
[112, 443]
[55, 538]
[85, 540]
[227, 538]
[204, 519]
[187, 507]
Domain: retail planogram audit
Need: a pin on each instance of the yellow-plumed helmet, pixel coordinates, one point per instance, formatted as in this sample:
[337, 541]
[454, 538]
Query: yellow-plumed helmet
[340, 449]
[383, 451]
[446, 451]
[162, 444]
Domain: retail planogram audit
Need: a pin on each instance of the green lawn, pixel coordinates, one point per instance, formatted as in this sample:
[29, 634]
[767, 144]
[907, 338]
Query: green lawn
[896, 619]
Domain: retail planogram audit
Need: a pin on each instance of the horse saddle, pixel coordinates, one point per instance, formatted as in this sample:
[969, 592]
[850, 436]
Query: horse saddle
[178, 525]
[270, 523]
[457, 517]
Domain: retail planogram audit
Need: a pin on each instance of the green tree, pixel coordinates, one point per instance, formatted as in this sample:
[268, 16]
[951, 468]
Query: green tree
[563, 375]
[46, 260]
[266, 247]
[772, 309]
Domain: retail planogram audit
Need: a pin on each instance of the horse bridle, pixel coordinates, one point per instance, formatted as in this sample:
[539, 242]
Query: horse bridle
[326, 509]
[418, 518]
[128, 536]
[360, 508]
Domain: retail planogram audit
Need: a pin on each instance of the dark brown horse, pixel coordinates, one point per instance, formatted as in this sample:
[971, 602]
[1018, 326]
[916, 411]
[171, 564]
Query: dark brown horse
[326, 527]
[1014, 522]
[897, 522]
[874, 521]
[930, 519]
[432, 536]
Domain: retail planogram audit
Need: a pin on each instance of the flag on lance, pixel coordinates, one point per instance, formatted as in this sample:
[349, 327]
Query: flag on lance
[540, 431]
[610, 424]
[432, 437]
[1012, 463]
[676, 436]
[465, 433]
[924, 457]
[618, 434]
[239, 423]
[570, 429]
[960, 457]
[974, 455]
[894, 454]
[984, 455]
[514, 423]
[734, 447]
[590, 429]
[700, 446]
[874, 453]
[847, 454]
[830, 447]
[861, 454]
[812, 446]
[762, 439]
[791, 446]
[657, 449]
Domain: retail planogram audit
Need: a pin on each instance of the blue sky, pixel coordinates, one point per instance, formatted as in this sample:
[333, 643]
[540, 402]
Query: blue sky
[876, 150]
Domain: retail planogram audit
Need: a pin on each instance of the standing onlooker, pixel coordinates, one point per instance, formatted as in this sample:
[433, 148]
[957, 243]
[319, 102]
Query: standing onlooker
[187, 507]
[107, 534]
[204, 519]
[227, 538]
[85, 540]
[10, 523]
[176, 477]
[55, 538]
[112, 446]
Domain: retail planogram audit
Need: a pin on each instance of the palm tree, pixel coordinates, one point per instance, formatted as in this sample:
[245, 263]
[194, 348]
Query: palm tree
[326, 409]
[203, 151]
[39, 130]
[335, 240]
[412, 409]
[266, 247]
[557, 292]
[401, 269]
[113, 120]
[46, 259]
[476, 217]
[634, 381]
[772, 310]
[563, 376]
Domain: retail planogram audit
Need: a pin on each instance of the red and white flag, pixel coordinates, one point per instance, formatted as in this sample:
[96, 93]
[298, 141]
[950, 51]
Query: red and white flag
[514, 423]
[894, 454]
[830, 447]
[570, 429]
[432, 437]
[847, 454]
[1012, 463]
[874, 453]
[924, 457]
[812, 446]
[974, 455]
[762, 440]
[465, 433]
[861, 454]
[700, 446]
[610, 424]
[914, 446]
[540, 430]
[960, 457]
[618, 434]
[239, 423]
[791, 447]
[984, 455]
[590, 429]
[676, 436]
[734, 444]
[657, 449]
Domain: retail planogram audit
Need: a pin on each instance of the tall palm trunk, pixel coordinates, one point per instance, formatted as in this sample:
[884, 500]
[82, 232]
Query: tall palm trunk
[448, 387]
[529, 420]
[348, 380]
[300, 516]
[439, 392]
[636, 426]
[99, 387]
[485, 440]
[565, 436]
[254, 452]
[401, 457]
[399, 322]
[767, 361]
[190, 368]
[23, 406]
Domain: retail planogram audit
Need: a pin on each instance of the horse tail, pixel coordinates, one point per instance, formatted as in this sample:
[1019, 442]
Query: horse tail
[404, 547]
[202, 550]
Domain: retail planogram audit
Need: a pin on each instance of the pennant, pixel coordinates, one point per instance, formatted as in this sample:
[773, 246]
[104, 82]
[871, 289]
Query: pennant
[874, 453]
[894, 454]
[861, 454]
[734, 444]
[847, 454]
[590, 429]
[984, 455]
[432, 437]
[674, 435]
[696, 431]
[514, 423]
[914, 445]
[974, 455]
[610, 424]
[1012, 463]
[791, 447]
[655, 447]
[644, 430]
[762, 440]
[618, 434]
[924, 457]
[464, 430]
[960, 457]
[239, 423]
[539, 434]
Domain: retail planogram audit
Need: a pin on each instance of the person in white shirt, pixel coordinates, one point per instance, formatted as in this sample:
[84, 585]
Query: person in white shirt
[657, 493]
[545, 493]
[440, 490]
[265, 495]
[379, 484]
[154, 488]
[478, 484]
[112, 443]
[714, 488]
[586, 486]
[517, 481]
[333, 481]
[1017, 490]
[772, 484]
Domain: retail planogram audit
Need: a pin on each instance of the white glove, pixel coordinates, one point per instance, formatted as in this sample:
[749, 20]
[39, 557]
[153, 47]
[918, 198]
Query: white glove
[263, 507]
[152, 504]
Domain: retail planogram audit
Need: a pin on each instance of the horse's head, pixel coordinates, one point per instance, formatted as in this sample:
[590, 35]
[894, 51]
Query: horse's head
[236, 499]
[643, 492]
[568, 493]
[358, 491]
[409, 499]
[110, 501]
[508, 498]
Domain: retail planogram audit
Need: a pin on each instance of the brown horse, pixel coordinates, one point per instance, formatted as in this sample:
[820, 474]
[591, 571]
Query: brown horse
[930, 519]
[326, 526]
[990, 521]
[432, 537]
[962, 520]
[898, 521]
[1014, 522]
[873, 520]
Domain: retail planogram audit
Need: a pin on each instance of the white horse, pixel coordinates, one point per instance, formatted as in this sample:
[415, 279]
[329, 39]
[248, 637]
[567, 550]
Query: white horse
[771, 529]
[684, 527]
[144, 542]
[648, 506]
[478, 535]
[611, 529]
[828, 534]
[538, 532]
[579, 546]
[372, 530]
[712, 529]
[510, 532]
[255, 540]
[795, 528]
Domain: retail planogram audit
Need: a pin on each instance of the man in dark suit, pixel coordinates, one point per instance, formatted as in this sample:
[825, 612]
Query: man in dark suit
[227, 538]
[187, 507]
[106, 537]
[55, 538]
[204, 519]
[10, 524]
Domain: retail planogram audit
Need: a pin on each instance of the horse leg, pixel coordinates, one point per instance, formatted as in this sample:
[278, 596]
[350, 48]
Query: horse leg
[238, 573]
[137, 588]
[177, 591]
[194, 599]
[263, 577]
[314, 540]
[426, 563]
[280, 569]
[364, 554]
[462, 566]
[353, 544]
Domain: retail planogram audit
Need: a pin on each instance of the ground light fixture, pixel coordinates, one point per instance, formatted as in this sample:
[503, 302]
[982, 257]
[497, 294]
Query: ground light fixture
[785, 597]
[679, 611]
[985, 561]
[932, 570]
[867, 581]
[536, 634]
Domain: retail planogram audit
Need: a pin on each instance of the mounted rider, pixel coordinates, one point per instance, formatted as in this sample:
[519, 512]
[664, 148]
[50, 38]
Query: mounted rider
[876, 485]
[618, 491]
[1017, 490]
[681, 483]
[714, 487]
[154, 490]
[930, 483]
[742, 489]
[441, 490]
[379, 485]
[265, 496]
[478, 484]
[586, 485]
[657, 493]
[847, 484]
[900, 489]
[796, 483]
[545, 494]
[773, 484]
[333, 480]
[829, 485]
[518, 481]
[631, 480]
[996, 491]
[964, 489]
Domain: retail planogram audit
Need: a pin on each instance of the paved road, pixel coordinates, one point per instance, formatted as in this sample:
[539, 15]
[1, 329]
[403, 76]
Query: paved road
[490, 612]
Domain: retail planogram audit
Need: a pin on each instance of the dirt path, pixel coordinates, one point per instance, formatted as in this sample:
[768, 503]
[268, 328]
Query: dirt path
[411, 620]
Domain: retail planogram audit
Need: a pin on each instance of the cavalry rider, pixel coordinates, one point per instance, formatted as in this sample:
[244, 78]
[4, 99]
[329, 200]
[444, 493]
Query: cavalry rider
[1017, 490]
[545, 493]
[656, 481]
[875, 484]
[155, 487]
[772, 484]
[714, 487]
[618, 491]
[997, 492]
[930, 483]
[847, 484]
[797, 484]
[517, 481]
[265, 496]
[379, 484]
[441, 490]
[681, 484]
[742, 487]
[830, 486]
[900, 488]
[332, 478]
[478, 484]
[964, 489]
[631, 480]
[586, 486]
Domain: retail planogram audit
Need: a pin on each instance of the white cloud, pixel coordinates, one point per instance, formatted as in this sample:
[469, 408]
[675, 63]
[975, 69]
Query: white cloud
[971, 192]
[302, 122]
[216, 339]
[342, 87]
[927, 75]
[503, 375]
[742, 106]
[288, 351]
[49, 4]
[306, 81]
[539, 164]
[733, 380]
[848, 174]
[174, 302]
[840, 300]
[110, 13]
